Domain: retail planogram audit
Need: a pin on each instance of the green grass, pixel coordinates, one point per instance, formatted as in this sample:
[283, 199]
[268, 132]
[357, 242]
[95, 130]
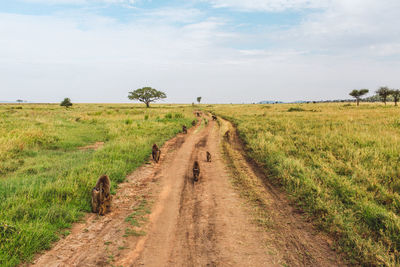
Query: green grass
[339, 163]
[45, 180]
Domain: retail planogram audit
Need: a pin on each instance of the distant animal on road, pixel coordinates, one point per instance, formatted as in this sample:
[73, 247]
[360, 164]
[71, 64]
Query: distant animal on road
[184, 129]
[214, 117]
[196, 171]
[198, 114]
[208, 157]
[227, 135]
[101, 197]
[193, 122]
[155, 153]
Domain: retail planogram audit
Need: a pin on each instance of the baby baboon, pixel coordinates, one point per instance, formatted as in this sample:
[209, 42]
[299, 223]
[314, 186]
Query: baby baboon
[196, 171]
[214, 117]
[156, 152]
[184, 130]
[101, 197]
[208, 157]
[194, 122]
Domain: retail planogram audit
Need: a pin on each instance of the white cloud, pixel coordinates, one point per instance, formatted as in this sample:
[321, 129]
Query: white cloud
[80, 2]
[269, 5]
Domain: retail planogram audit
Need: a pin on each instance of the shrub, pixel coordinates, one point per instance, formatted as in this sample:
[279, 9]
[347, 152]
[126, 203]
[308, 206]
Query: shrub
[292, 109]
[178, 116]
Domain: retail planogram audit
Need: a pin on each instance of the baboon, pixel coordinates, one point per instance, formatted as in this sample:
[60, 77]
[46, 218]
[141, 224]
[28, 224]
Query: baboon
[194, 122]
[196, 171]
[101, 197]
[208, 157]
[184, 130]
[214, 117]
[156, 152]
[198, 114]
[226, 135]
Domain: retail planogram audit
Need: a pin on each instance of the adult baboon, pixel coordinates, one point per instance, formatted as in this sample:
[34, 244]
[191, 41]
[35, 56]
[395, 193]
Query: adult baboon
[155, 153]
[226, 135]
[196, 171]
[208, 157]
[198, 114]
[193, 122]
[214, 117]
[101, 197]
[184, 129]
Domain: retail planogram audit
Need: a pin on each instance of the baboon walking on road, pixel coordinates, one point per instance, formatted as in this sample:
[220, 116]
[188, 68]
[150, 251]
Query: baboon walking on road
[196, 171]
[208, 157]
[155, 153]
[184, 129]
[193, 122]
[101, 197]
[214, 117]
[227, 135]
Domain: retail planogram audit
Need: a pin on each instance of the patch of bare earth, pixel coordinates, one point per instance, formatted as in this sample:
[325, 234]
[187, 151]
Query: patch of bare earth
[161, 217]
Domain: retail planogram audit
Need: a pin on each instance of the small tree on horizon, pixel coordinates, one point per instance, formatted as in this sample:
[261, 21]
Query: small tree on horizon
[20, 100]
[66, 103]
[357, 94]
[396, 95]
[198, 99]
[146, 95]
[383, 93]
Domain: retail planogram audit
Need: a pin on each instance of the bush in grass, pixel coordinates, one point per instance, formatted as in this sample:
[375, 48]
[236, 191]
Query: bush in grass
[293, 109]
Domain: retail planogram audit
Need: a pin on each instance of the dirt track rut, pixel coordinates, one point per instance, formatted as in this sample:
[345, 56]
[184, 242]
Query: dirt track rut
[202, 223]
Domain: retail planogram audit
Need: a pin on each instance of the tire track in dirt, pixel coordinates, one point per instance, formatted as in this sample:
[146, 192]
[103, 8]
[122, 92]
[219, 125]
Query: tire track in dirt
[293, 240]
[101, 240]
[209, 226]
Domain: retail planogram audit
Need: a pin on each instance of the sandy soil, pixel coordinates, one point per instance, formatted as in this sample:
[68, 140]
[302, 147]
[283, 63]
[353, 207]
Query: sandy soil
[204, 223]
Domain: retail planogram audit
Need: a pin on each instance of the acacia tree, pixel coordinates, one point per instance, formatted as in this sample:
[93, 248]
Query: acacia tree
[66, 102]
[146, 95]
[383, 93]
[357, 94]
[396, 95]
[198, 99]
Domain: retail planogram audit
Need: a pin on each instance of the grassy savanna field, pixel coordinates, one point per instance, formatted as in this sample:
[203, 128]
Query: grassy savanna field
[46, 179]
[338, 162]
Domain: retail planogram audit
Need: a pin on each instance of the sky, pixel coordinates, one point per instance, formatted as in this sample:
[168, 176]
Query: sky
[227, 51]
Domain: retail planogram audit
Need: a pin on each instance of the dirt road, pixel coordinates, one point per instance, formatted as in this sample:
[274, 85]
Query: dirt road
[160, 217]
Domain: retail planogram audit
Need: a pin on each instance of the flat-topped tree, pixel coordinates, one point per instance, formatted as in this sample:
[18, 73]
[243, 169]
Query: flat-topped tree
[66, 102]
[396, 95]
[146, 95]
[383, 93]
[199, 99]
[357, 94]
